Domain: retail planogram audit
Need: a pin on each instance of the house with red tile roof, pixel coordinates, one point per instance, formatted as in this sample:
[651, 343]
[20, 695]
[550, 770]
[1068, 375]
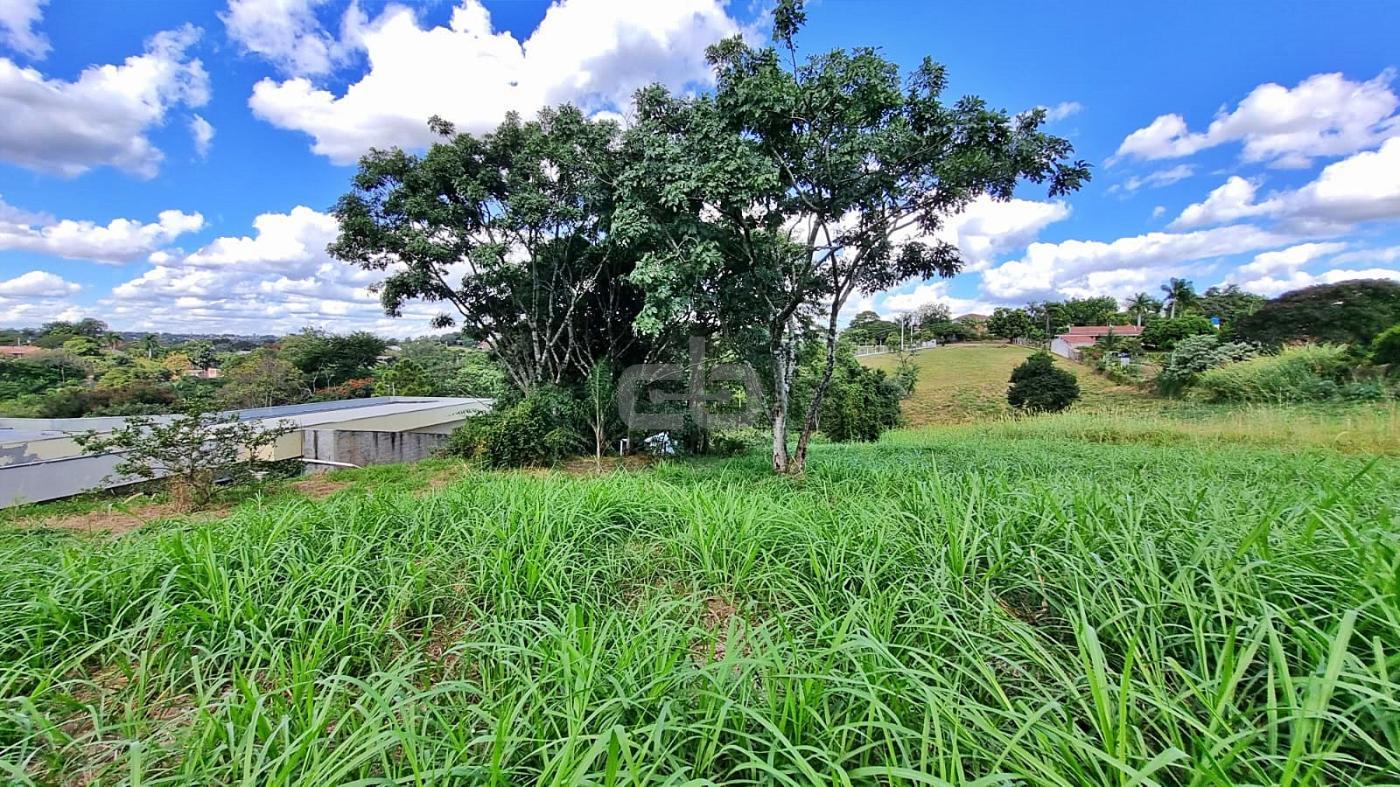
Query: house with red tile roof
[1068, 344]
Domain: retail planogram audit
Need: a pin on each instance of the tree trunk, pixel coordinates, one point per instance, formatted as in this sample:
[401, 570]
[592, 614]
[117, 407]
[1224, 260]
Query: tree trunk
[798, 465]
[783, 362]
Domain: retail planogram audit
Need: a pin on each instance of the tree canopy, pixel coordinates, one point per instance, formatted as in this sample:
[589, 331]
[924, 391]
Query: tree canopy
[801, 181]
[510, 232]
[1350, 312]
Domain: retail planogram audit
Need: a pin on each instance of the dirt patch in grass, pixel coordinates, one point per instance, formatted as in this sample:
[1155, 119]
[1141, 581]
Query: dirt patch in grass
[588, 466]
[727, 628]
[442, 477]
[319, 486]
[115, 521]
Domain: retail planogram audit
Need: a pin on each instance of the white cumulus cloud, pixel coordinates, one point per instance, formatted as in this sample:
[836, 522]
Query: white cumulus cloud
[117, 241]
[1325, 115]
[275, 280]
[593, 53]
[202, 132]
[38, 284]
[103, 118]
[18, 18]
[290, 35]
[1080, 267]
[1362, 187]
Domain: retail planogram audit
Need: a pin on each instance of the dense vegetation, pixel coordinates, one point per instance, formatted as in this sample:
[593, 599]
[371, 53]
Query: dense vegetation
[101, 373]
[1039, 386]
[1059, 601]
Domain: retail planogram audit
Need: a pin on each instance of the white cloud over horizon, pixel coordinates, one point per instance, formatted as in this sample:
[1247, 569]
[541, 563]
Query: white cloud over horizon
[118, 241]
[278, 279]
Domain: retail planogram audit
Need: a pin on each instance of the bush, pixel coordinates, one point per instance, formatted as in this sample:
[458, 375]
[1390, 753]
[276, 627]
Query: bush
[1038, 386]
[1385, 348]
[191, 452]
[1164, 334]
[542, 428]
[1309, 373]
[860, 404]
[1197, 354]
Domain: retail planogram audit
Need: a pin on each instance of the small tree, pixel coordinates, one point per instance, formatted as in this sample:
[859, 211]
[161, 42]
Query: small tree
[193, 451]
[598, 394]
[261, 378]
[1164, 334]
[1038, 386]
[402, 378]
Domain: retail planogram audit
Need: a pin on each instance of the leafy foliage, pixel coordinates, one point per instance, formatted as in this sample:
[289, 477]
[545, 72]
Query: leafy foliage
[1349, 312]
[192, 451]
[861, 403]
[261, 378]
[1229, 303]
[1385, 348]
[1194, 355]
[329, 359]
[1039, 386]
[788, 188]
[1163, 334]
[543, 427]
[403, 377]
[1307, 373]
[1009, 323]
[527, 209]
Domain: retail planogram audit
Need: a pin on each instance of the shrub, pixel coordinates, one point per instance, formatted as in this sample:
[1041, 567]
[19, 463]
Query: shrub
[1385, 348]
[540, 429]
[1038, 386]
[860, 403]
[192, 451]
[1197, 354]
[1164, 334]
[1309, 373]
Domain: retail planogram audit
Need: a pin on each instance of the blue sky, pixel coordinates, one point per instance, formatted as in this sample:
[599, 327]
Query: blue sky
[167, 166]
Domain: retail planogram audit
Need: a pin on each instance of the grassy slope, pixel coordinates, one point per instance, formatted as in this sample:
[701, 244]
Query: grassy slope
[1064, 601]
[967, 382]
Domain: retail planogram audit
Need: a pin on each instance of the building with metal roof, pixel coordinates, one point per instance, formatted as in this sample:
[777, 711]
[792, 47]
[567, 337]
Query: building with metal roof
[40, 460]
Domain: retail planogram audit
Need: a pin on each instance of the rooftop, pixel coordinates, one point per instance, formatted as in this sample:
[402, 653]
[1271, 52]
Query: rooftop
[1104, 330]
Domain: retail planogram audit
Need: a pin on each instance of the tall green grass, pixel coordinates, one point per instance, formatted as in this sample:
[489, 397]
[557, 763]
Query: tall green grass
[938, 608]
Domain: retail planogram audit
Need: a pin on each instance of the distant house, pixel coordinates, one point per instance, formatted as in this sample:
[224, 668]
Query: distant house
[18, 350]
[212, 373]
[1068, 345]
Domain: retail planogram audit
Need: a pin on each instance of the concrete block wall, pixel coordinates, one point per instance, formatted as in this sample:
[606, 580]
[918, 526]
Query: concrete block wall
[369, 448]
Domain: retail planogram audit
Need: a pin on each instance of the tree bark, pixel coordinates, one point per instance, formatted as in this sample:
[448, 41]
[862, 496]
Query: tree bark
[783, 361]
[798, 465]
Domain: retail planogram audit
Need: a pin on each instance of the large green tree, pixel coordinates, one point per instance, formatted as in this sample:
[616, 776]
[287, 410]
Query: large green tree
[262, 378]
[1229, 303]
[1351, 312]
[329, 359]
[510, 232]
[801, 181]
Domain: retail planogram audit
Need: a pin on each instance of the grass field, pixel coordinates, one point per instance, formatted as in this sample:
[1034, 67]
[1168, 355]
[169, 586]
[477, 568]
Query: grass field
[1064, 601]
[961, 383]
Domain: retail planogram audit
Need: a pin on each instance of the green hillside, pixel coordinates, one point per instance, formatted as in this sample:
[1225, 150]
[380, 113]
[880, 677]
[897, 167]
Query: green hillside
[967, 382]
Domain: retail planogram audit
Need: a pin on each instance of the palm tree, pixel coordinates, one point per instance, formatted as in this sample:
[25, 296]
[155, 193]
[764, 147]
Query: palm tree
[150, 344]
[1141, 305]
[1180, 294]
